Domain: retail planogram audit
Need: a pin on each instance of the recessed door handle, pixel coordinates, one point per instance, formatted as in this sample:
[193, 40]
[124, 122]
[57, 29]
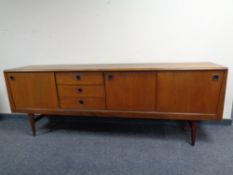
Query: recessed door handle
[12, 77]
[110, 77]
[215, 77]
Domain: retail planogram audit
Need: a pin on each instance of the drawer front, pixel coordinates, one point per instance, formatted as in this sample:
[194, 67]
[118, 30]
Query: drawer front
[79, 78]
[82, 103]
[80, 91]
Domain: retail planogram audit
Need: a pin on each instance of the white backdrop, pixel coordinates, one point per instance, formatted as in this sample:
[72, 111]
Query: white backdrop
[115, 31]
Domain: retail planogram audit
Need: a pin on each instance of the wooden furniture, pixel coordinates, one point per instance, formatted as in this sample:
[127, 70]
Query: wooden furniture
[177, 91]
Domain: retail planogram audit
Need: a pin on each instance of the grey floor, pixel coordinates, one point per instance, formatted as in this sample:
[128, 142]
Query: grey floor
[113, 147]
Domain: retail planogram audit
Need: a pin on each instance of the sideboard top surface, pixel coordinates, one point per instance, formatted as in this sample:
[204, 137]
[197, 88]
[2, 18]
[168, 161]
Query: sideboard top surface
[121, 67]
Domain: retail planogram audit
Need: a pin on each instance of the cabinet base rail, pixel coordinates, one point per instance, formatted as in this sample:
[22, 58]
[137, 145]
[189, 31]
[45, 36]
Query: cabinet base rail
[33, 119]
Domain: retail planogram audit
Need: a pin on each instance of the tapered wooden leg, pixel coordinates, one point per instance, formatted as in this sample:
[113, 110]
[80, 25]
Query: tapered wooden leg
[32, 123]
[193, 126]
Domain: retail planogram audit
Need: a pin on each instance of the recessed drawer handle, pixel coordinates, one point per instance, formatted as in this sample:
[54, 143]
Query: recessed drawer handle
[81, 102]
[215, 77]
[78, 77]
[80, 89]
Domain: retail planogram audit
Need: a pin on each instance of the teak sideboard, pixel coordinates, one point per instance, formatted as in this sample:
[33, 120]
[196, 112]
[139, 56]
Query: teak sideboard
[175, 91]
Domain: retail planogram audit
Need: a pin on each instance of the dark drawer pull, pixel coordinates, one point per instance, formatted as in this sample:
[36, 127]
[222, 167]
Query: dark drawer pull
[215, 77]
[80, 89]
[81, 102]
[12, 77]
[78, 77]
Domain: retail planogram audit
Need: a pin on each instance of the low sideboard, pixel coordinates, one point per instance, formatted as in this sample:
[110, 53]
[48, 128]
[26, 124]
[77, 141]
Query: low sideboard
[174, 91]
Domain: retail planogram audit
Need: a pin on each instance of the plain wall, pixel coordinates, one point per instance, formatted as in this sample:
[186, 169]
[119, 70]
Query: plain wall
[115, 31]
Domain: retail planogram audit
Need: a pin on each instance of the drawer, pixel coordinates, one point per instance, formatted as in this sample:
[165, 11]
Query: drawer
[79, 78]
[80, 91]
[82, 103]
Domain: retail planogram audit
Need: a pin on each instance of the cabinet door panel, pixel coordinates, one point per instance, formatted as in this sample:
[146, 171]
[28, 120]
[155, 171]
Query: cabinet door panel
[33, 90]
[189, 91]
[130, 90]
